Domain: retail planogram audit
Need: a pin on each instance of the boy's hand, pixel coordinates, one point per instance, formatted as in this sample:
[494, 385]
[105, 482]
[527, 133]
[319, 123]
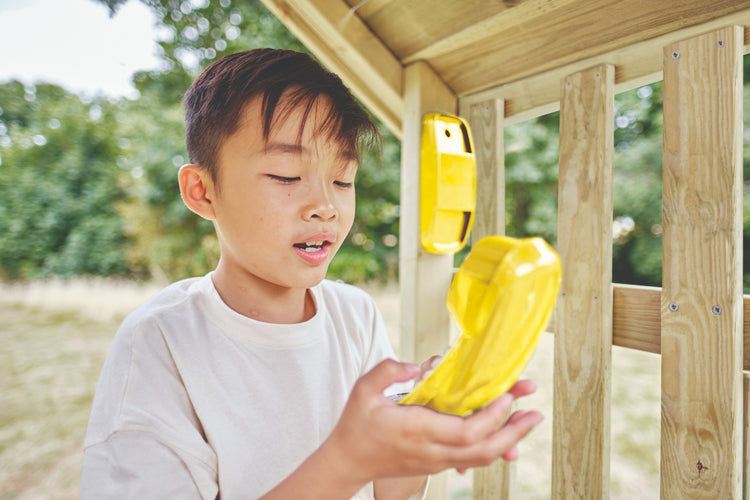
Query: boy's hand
[376, 438]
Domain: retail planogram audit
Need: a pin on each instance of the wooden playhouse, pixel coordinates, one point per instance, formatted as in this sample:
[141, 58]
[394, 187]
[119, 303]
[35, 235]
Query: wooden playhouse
[498, 62]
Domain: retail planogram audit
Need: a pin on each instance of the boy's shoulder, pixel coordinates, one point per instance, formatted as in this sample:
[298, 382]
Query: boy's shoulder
[174, 297]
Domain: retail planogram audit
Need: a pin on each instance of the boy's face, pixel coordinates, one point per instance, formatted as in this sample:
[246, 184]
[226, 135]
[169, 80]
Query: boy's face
[282, 208]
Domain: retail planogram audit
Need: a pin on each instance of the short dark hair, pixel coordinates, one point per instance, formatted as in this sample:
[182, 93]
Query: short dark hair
[214, 102]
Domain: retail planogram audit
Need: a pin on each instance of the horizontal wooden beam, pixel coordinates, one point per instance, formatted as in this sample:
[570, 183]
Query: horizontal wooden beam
[635, 65]
[344, 44]
[636, 320]
[540, 35]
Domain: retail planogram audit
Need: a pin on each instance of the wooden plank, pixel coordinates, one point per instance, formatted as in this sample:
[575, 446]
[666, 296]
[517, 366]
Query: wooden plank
[408, 27]
[635, 65]
[487, 130]
[701, 340]
[485, 119]
[583, 340]
[424, 278]
[636, 320]
[347, 47]
[745, 437]
[539, 35]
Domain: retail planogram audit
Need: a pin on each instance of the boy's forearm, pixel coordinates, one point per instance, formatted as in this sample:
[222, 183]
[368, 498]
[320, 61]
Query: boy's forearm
[400, 488]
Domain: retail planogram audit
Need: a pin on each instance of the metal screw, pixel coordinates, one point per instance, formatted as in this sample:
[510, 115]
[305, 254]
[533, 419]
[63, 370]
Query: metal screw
[675, 55]
[721, 43]
[673, 306]
[716, 310]
[564, 294]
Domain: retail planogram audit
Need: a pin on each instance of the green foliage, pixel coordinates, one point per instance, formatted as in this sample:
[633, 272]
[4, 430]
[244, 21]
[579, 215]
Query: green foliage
[638, 186]
[371, 250]
[58, 183]
[531, 177]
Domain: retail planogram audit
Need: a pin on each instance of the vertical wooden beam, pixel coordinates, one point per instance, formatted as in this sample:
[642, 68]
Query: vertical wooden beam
[745, 437]
[701, 341]
[583, 339]
[486, 122]
[487, 130]
[424, 278]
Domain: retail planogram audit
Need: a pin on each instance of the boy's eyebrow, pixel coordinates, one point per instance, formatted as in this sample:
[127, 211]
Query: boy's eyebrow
[281, 147]
[288, 148]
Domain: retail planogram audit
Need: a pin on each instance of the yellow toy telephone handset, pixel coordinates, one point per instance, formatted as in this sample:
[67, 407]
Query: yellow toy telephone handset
[447, 183]
[502, 298]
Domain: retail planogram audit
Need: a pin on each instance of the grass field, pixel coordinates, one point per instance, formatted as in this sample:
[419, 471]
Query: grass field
[55, 336]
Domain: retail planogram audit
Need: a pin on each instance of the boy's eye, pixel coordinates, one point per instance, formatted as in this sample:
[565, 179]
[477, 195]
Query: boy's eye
[342, 184]
[284, 180]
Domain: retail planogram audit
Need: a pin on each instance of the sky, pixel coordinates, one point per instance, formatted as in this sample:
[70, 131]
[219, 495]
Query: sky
[75, 44]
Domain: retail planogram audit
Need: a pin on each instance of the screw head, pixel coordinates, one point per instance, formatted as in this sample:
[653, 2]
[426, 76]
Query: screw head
[673, 306]
[721, 43]
[675, 55]
[716, 310]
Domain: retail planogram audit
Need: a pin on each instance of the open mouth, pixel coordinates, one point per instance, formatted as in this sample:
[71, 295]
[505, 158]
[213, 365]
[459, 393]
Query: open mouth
[313, 246]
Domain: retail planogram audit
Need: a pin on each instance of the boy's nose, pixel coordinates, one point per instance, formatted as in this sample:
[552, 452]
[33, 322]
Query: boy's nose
[320, 204]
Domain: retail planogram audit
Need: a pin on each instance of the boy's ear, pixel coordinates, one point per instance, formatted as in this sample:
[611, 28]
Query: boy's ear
[197, 190]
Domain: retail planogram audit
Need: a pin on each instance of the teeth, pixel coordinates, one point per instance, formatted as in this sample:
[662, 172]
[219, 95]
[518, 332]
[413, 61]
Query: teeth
[311, 246]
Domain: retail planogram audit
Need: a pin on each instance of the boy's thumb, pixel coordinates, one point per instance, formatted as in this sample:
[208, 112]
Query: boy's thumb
[386, 373]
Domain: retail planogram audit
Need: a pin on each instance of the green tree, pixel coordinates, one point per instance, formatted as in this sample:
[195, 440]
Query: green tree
[58, 184]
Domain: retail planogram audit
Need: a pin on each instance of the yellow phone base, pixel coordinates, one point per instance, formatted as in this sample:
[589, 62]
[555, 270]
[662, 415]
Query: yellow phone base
[502, 298]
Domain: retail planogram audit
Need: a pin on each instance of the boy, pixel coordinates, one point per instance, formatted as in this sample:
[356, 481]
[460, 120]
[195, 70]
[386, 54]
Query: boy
[262, 379]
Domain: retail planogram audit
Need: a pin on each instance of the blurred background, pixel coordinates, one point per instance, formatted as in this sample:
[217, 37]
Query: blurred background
[91, 221]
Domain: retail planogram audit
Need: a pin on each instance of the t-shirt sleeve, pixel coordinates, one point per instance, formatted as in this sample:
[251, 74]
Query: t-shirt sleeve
[137, 465]
[144, 439]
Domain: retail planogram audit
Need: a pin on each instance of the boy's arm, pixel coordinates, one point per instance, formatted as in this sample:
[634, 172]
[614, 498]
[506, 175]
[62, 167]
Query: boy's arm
[398, 488]
[377, 439]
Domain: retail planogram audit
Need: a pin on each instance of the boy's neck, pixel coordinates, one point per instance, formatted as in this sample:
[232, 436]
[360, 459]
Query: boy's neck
[264, 301]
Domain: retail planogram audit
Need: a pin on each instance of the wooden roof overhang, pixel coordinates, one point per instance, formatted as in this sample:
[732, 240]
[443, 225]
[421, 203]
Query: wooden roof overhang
[517, 50]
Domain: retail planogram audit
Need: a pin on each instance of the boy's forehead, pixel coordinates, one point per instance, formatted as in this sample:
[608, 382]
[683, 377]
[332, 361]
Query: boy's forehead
[292, 125]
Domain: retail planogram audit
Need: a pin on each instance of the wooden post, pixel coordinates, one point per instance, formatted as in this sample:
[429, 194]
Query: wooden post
[745, 437]
[701, 304]
[486, 121]
[424, 278]
[583, 337]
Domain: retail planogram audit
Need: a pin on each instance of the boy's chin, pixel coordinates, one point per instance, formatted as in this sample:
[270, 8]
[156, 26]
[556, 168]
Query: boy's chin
[313, 278]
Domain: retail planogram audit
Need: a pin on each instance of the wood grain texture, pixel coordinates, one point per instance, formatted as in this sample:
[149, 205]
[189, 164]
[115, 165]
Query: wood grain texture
[485, 119]
[424, 278]
[745, 436]
[539, 35]
[702, 254]
[487, 130]
[583, 338]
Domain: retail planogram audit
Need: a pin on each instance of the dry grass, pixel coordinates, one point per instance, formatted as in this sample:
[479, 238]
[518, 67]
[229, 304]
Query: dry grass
[55, 336]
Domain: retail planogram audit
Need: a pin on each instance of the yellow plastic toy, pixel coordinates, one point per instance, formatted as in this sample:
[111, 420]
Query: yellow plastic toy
[448, 183]
[502, 298]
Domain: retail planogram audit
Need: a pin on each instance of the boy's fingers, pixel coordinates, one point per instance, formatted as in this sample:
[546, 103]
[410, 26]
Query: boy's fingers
[385, 373]
[502, 443]
[522, 388]
[452, 430]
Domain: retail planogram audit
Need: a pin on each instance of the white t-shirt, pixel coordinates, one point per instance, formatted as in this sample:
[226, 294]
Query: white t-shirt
[196, 400]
